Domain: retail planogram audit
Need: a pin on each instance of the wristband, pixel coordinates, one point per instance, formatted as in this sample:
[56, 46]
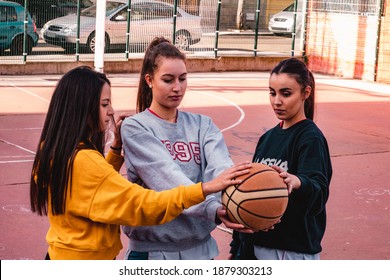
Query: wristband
[116, 149]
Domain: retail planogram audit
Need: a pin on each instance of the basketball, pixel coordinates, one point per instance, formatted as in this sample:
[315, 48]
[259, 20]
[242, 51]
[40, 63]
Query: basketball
[259, 201]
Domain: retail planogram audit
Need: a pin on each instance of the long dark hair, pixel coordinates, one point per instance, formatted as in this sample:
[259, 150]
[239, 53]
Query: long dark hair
[72, 123]
[158, 48]
[299, 71]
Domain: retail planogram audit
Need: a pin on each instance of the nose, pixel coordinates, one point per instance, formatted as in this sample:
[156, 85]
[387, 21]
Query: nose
[177, 86]
[111, 111]
[277, 99]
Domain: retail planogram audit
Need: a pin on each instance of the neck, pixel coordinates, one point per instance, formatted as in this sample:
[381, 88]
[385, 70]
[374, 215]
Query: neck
[167, 116]
[288, 124]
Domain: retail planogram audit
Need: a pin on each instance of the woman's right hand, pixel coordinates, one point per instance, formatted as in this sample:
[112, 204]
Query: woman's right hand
[226, 178]
[117, 123]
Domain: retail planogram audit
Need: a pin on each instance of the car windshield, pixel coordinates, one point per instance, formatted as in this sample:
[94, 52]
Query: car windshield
[86, 3]
[110, 8]
[289, 8]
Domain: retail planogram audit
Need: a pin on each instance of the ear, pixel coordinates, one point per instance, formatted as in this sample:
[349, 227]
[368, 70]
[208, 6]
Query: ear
[306, 92]
[148, 79]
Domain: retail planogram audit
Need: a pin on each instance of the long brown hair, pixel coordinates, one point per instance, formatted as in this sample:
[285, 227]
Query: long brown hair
[158, 48]
[72, 123]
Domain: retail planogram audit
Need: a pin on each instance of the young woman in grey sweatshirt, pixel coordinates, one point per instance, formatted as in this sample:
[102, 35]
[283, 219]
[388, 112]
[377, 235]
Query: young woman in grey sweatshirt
[165, 147]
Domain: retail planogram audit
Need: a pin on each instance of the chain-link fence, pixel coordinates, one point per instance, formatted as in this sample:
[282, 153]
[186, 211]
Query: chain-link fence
[201, 28]
[344, 37]
[341, 37]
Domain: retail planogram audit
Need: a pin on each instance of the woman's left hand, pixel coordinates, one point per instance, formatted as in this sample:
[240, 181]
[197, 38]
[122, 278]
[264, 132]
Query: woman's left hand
[292, 181]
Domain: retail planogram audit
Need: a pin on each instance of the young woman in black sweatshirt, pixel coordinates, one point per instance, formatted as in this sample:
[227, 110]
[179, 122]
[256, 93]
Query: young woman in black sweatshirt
[298, 150]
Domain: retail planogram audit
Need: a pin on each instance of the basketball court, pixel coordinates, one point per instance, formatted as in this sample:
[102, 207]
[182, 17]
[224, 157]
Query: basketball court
[354, 116]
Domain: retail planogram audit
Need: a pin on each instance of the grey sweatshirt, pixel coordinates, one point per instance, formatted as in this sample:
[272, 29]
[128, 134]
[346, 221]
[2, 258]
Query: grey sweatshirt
[161, 155]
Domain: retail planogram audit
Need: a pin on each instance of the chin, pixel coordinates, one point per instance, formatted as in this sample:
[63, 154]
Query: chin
[103, 127]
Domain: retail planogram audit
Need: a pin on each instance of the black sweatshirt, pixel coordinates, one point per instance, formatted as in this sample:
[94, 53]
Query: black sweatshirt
[301, 150]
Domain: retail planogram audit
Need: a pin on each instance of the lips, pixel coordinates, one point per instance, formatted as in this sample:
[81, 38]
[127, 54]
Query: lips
[175, 98]
[279, 111]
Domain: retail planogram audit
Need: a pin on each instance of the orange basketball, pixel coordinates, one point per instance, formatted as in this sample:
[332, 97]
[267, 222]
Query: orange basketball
[259, 201]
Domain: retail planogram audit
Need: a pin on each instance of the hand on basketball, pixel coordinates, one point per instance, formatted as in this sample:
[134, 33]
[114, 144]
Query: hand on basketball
[226, 178]
[221, 213]
[292, 181]
[271, 227]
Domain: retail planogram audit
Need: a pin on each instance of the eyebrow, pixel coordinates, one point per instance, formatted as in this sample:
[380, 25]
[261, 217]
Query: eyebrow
[286, 88]
[172, 75]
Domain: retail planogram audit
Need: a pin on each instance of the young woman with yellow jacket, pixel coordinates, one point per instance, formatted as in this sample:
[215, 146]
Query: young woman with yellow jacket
[81, 192]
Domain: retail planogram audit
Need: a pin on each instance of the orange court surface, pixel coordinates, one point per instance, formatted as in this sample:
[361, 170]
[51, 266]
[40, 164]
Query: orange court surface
[354, 116]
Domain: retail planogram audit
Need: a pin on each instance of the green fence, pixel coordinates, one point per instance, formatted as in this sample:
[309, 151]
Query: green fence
[210, 28]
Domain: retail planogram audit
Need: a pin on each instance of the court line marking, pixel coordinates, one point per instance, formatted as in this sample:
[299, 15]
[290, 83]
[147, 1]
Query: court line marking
[109, 141]
[242, 116]
[30, 93]
[16, 156]
[17, 146]
[16, 161]
[26, 128]
[242, 113]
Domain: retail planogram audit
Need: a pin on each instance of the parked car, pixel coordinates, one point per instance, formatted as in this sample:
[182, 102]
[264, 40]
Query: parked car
[12, 29]
[43, 11]
[149, 19]
[283, 22]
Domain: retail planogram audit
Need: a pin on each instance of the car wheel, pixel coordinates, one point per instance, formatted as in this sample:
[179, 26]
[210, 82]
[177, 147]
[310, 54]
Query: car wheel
[17, 46]
[91, 43]
[182, 40]
[69, 48]
[29, 46]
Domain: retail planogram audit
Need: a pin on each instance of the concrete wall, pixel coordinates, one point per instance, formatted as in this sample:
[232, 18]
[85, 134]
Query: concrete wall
[350, 44]
[342, 44]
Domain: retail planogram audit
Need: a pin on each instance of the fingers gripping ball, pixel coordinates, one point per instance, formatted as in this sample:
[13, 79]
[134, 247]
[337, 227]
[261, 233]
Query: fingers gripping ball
[259, 201]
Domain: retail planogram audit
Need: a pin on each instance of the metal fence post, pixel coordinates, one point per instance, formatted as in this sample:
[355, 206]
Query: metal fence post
[174, 22]
[303, 28]
[25, 26]
[128, 29]
[294, 28]
[378, 34]
[100, 30]
[217, 29]
[78, 32]
[257, 27]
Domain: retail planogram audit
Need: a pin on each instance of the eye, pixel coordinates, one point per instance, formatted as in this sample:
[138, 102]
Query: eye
[272, 93]
[286, 93]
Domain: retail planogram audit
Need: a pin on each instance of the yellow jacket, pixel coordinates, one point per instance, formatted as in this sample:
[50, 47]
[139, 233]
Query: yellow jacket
[100, 200]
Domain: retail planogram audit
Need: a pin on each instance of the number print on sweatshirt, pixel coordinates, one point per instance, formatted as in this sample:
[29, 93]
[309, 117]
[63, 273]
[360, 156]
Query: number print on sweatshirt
[184, 152]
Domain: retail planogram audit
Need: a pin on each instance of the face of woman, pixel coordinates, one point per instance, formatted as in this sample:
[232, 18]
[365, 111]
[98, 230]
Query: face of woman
[287, 99]
[169, 84]
[106, 110]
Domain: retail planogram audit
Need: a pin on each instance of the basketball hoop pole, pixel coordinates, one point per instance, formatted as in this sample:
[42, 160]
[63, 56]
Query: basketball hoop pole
[99, 34]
